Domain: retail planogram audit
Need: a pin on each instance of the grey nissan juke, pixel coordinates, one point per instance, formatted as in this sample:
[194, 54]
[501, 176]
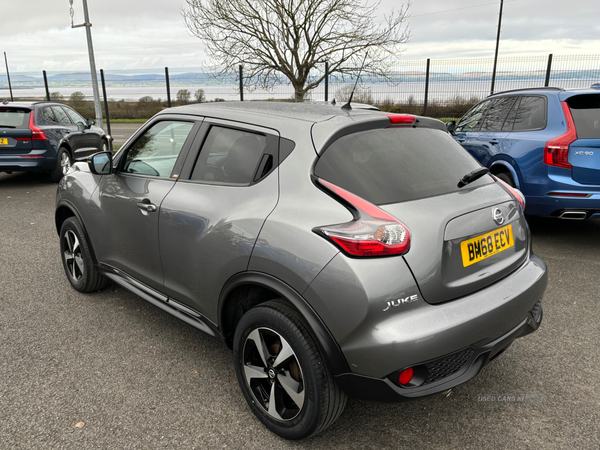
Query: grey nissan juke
[338, 252]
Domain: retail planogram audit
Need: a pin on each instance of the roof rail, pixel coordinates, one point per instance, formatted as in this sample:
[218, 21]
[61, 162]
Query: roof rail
[529, 89]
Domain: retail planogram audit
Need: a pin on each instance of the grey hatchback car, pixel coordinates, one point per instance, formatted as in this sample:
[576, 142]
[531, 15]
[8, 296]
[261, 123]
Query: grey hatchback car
[337, 252]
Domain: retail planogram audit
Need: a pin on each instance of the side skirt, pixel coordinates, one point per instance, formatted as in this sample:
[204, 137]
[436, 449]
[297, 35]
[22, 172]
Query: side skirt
[162, 301]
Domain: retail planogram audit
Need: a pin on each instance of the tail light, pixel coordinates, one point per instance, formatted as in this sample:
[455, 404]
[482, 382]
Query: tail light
[518, 195]
[373, 232]
[36, 133]
[556, 152]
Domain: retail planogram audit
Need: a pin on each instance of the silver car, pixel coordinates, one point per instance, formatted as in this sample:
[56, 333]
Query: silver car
[337, 252]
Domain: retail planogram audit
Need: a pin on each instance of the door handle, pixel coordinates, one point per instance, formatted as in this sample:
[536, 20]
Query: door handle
[494, 142]
[146, 206]
[460, 141]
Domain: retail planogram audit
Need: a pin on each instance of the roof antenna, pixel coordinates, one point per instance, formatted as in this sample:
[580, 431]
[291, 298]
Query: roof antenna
[347, 105]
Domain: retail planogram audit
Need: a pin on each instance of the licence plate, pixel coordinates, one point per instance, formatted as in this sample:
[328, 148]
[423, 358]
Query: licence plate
[486, 245]
[3, 141]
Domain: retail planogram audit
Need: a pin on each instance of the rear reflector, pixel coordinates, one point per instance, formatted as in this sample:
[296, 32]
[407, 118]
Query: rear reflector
[22, 139]
[556, 152]
[406, 376]
[568, 194]
[32, 156]
[401, 119]
[373, 232]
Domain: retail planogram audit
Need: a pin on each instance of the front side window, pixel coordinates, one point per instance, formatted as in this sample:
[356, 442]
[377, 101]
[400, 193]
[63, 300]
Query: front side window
[61, 116]
[471, 120]
[229, 156]
[75, 117]
[155, 152]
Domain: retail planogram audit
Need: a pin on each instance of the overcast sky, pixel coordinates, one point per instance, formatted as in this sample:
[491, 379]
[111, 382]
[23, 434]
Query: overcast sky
[137, 34]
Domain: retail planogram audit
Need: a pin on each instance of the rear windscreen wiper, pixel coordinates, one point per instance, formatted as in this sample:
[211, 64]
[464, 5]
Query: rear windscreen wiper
[472, 176]
[7, 126]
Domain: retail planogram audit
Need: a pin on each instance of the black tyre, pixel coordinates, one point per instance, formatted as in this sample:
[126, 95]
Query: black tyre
[282, 373]
[77, 259]
[507, 178]
[63, 164]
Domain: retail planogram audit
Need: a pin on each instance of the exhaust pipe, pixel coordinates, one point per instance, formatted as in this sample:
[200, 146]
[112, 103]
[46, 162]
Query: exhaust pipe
[573, 215]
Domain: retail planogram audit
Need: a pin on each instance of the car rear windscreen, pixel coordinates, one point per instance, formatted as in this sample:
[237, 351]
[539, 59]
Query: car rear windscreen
[585, 110]
[14, 118]
[397, 164]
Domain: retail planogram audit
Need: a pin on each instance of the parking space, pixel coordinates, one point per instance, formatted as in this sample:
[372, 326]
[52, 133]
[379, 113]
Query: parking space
[137, 377]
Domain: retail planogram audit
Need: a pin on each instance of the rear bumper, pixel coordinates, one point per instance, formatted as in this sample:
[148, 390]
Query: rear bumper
[554, 206]
[385, 390]
[18, 163]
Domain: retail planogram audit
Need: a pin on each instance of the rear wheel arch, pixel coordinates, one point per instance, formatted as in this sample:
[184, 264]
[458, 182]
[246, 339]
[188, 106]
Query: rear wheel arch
[501, 166]
[248, 289]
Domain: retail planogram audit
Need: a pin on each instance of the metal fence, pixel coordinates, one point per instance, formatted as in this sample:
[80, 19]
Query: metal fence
[449, 80]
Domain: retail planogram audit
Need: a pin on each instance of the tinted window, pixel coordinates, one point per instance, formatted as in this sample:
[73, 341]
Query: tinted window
[48, 116]
[471, 120]
[396, 164]
[61, 116]
[495, 115]
[155, 152]
[75, 117]
[585, 110]
[14, 118]
[229, 156]
[530, 114]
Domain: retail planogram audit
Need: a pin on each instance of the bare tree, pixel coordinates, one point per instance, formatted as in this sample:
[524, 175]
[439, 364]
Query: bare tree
[275, 38]
[183, 96]
[200, 96]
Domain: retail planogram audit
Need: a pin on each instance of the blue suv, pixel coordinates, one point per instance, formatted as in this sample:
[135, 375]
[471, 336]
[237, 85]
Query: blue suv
[544, 142]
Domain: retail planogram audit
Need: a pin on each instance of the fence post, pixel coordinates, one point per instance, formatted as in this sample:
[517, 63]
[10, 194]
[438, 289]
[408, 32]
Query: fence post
[241, 83]
[548, 69]
[326, 81]
[426, 88]
[168, 87]
[46, 85]
[110, 139]
[8, 77]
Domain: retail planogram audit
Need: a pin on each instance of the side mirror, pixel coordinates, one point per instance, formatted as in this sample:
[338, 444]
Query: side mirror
[100, 163]
[90, 122]
[451, 126]
[81, 126]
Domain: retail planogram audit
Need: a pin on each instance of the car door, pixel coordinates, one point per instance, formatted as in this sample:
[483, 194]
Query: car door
[489, 140]
[211, 218]
[126, 204]
[66, 128]
[469, 125]
[89, 139]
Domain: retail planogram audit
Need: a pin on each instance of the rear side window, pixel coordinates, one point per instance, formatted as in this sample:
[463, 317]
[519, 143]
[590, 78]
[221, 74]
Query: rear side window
[48, 116]
[61, 116]
[528, 115]
[585, 110]
[397, 164]
[14, 118]
[496, 114]
[229, 156]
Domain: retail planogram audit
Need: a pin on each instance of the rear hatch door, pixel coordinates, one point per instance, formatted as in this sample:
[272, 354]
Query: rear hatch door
[584, 153]
[412, 173]
[15, 135]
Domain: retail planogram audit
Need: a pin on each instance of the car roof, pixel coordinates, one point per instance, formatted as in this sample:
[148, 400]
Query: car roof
[7, 103]
[306, 112]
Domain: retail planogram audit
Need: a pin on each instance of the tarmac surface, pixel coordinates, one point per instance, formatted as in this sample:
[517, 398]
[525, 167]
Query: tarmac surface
[122, 131]
[110, 371]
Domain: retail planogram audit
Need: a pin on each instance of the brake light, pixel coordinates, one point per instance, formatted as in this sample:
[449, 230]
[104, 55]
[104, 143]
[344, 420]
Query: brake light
[556, 152]
[36, 133]
[401, 119]
[518, 195]
[373, 232]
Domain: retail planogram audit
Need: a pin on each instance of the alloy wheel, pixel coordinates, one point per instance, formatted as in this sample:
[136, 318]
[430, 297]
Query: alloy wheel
[65, 162]
[273, 373]
[72, 255]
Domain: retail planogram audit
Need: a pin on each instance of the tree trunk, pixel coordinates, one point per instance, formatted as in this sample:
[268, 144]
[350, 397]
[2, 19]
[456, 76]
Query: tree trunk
[298, 94]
